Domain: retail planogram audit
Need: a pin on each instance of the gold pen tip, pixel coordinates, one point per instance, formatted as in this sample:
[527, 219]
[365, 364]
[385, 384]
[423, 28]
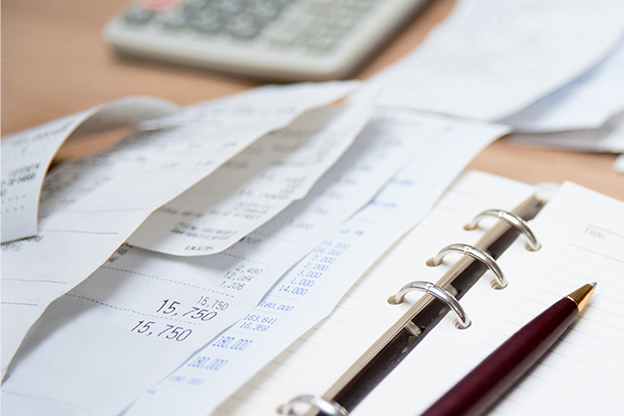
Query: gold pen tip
[581, 295]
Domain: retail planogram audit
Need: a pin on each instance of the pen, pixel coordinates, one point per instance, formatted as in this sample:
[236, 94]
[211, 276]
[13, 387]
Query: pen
[476, 392]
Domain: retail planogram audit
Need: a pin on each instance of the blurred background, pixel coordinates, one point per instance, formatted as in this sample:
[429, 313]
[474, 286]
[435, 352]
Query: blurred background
[55, 62]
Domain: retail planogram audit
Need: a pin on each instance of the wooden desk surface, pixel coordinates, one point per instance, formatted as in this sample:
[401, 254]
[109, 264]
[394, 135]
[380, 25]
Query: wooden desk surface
[55, 63]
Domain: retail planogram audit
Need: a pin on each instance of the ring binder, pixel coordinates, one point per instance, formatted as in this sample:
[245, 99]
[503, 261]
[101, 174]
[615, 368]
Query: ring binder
[513, 220]
[327, 407]
[477, 254]
[405, 334]
[442, 294]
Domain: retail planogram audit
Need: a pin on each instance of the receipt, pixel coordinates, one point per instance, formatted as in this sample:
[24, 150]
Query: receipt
[310, 290]
[585, 103]
[141, 314]
[491, 59]
[27, 155]
[89, 207]
[255, 185]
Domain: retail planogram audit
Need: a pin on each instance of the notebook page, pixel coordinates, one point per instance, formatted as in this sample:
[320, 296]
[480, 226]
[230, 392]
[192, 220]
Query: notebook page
[582, 233]
[319, 358]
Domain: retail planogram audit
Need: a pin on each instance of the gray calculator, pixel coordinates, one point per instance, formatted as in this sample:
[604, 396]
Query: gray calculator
[281, 40]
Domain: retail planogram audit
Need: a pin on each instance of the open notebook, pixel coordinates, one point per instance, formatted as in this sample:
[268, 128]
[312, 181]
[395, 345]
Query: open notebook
[582, 239]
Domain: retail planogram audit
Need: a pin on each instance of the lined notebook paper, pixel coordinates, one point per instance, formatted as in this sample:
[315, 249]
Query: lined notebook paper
[582, 234]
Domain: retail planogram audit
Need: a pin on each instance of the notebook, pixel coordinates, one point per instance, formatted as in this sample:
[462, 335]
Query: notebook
[578, 237]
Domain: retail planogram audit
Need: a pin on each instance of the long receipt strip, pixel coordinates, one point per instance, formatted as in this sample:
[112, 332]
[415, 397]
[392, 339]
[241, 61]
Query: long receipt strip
[255, 185]
[485, 63]
[90, 207]
[141, 314]
[27, 155]
[582, 236]
[322, 355]
[309, 291]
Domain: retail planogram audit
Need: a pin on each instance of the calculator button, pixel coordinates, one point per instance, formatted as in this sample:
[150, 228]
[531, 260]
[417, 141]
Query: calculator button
[242, 27]
[264, 12]
[229, 7]
[137, 16]
[194, 6]
[175, 21]
[207, 22]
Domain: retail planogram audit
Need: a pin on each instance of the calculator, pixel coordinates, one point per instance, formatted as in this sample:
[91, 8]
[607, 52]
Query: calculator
[280, 40]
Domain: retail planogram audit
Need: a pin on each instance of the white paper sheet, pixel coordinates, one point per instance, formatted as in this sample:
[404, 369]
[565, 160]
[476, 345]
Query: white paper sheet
[27, 155]
[91, 206]
[582, 237]
[319, 358]
[310, 290]
[585, 103]
[608, 138]
[255, 185]
[142, 314]
[491, 59]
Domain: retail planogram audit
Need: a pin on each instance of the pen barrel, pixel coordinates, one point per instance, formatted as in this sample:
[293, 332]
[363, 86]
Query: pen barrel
[476, 392]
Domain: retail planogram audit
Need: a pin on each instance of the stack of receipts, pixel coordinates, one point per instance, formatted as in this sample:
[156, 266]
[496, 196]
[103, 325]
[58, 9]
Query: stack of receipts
[161, 276]
[146, 253]
[552, 70]
[89, 207]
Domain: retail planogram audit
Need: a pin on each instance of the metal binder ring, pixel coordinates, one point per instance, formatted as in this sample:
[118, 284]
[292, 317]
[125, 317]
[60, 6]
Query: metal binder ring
[463, 321]
[513, 220]
[327, 407]
[477, 254]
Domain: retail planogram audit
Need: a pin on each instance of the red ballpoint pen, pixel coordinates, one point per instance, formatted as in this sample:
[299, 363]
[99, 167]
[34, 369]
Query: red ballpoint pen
[480, 389]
